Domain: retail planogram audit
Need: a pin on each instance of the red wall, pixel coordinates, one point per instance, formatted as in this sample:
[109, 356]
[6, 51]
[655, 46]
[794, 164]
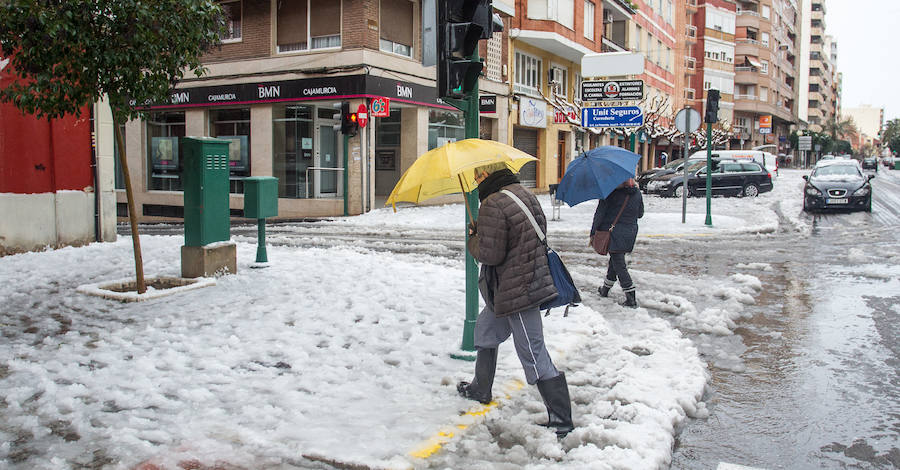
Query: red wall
[40, 155]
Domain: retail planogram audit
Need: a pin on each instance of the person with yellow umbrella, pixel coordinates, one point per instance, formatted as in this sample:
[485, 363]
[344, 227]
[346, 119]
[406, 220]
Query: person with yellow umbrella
[514, 281]
[515, 278]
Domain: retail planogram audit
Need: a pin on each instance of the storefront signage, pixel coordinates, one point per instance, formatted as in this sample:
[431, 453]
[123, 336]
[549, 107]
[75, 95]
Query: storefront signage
[615, 90]
[319, 88]
[487, 103]
[532, 112]
[765, 124]
[612, 116]
[381, 107]
[560, 117]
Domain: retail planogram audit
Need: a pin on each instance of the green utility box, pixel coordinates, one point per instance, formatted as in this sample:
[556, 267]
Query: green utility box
[896, 164]
[205, 178]
[260, 197]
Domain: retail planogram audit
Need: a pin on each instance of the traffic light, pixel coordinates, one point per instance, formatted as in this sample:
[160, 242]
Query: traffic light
[712, 106]
[460, 25]
[349, 121]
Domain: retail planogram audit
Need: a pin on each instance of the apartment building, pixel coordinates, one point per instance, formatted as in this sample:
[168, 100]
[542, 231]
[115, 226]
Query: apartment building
[714, 57]
[822, 99]
[869, 120]
[766, 68]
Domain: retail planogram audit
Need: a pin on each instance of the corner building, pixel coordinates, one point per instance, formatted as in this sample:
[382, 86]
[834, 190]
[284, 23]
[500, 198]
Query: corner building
[274, 88]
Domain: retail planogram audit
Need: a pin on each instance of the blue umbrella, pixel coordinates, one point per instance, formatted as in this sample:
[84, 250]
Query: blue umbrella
[596, 173]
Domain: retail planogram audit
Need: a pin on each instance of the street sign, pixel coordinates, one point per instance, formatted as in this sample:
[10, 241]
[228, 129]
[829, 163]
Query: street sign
[381, 107]
[683, 124]
[362, 115]
[612, 64]
[804, 142]
[614, 90]
[612, 116]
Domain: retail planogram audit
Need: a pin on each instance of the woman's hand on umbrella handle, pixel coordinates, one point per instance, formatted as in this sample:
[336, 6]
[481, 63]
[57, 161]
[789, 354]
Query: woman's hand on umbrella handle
[472, 230]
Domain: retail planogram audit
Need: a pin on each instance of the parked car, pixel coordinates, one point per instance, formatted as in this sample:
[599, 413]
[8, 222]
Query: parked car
[765, 159]
[728, 178]
[870, 164]
[837, 184]
[672, 167]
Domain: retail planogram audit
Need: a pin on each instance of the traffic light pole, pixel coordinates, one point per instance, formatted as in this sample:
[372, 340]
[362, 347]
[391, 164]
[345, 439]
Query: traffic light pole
[708, 174]
[469, 108]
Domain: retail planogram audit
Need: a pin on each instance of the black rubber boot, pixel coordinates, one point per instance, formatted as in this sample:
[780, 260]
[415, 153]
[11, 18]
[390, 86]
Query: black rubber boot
[630, 300]
[480, 387]
[604, 289]
[555, 393]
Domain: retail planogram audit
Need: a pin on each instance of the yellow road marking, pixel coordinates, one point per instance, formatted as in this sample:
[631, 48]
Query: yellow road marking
[434, 443]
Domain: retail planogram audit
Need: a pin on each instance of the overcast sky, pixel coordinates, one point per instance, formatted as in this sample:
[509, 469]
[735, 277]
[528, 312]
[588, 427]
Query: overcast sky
[866, 33]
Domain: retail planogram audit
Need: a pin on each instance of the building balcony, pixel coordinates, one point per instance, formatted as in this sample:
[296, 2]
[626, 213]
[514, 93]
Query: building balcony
[691, 6]
[751, 47]
[691, 34]
[746, 75]
[752, 104]
[748, 19]
[690, 65]
[551, 42]
[690, 95]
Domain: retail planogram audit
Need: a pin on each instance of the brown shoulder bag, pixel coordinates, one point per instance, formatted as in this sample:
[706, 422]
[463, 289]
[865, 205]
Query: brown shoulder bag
[600, 238]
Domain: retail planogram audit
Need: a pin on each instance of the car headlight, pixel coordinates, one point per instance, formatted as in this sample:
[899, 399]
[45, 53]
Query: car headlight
[813, 191]
[863, 191]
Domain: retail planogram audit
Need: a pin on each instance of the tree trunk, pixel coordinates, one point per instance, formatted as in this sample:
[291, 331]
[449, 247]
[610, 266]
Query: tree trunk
[132, 215]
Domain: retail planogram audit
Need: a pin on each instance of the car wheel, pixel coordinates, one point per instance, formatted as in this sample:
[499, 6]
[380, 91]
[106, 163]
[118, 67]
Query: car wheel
[678, 191]
[751, 190]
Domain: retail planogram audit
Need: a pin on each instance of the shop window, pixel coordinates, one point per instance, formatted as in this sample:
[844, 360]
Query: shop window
[444, 127]
[388, 132]
[397, 27]
[233, 10]
[163, 132]
[233, 125]
[308, 24]
[293, 137]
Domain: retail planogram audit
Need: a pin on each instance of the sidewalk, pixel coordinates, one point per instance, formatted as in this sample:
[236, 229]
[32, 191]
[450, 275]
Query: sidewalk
[329, 355]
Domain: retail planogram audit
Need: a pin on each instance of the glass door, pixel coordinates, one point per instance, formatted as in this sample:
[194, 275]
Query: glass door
[328, 159]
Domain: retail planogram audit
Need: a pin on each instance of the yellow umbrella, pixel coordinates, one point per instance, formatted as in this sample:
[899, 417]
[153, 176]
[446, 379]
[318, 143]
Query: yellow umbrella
[450, 169]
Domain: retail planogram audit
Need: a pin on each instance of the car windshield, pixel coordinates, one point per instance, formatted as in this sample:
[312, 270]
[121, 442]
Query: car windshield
[693, 167]
[673, 164]
[836, 170]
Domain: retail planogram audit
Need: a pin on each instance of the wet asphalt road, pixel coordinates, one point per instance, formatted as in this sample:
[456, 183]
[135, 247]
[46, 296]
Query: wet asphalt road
[811, 378]
[817, 384]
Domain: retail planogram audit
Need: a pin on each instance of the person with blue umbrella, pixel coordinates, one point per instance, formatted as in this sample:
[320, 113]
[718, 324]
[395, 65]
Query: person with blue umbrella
[607, 173]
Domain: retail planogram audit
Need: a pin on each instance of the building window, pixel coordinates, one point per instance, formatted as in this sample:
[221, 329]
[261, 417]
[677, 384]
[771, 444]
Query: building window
[765, 39]
[308, 24]
[764, 67]
[561, 11]
[766, 11]
[707, 85]
[528, 74]
[639, 32]
[397, 27]
[764, 94]
[232, 11]
[444, 127]
[164, 131]
[233, 125]
[589, 20]
[559, 75]
[658, 51]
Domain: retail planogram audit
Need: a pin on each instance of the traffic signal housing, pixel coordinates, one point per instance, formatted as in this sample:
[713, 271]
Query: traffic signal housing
[461, 24]
[349, 120]
[712, 106]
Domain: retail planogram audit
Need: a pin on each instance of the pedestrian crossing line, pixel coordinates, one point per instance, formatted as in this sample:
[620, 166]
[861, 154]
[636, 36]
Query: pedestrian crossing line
[470, 418]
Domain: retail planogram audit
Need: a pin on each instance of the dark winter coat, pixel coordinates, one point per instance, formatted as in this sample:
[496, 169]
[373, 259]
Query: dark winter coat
[623, 236]
[512, 256]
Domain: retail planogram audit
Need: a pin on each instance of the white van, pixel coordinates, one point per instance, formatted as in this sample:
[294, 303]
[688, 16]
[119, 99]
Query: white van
[765, 159]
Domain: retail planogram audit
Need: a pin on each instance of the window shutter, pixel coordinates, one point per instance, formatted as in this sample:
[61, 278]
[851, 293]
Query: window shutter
[397, 21]
[326, 18]
[291, 22]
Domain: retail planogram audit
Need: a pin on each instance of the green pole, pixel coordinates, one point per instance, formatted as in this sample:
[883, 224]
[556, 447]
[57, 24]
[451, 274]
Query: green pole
[346, 175]
[470, 111]
[261, 241]
[708, 174]
[633, 142]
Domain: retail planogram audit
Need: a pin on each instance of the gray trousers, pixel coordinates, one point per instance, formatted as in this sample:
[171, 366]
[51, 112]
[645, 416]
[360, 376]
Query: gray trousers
[528, 337]
[618, 269]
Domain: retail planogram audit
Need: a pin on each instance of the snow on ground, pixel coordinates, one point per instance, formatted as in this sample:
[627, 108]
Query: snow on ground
[343, 353]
